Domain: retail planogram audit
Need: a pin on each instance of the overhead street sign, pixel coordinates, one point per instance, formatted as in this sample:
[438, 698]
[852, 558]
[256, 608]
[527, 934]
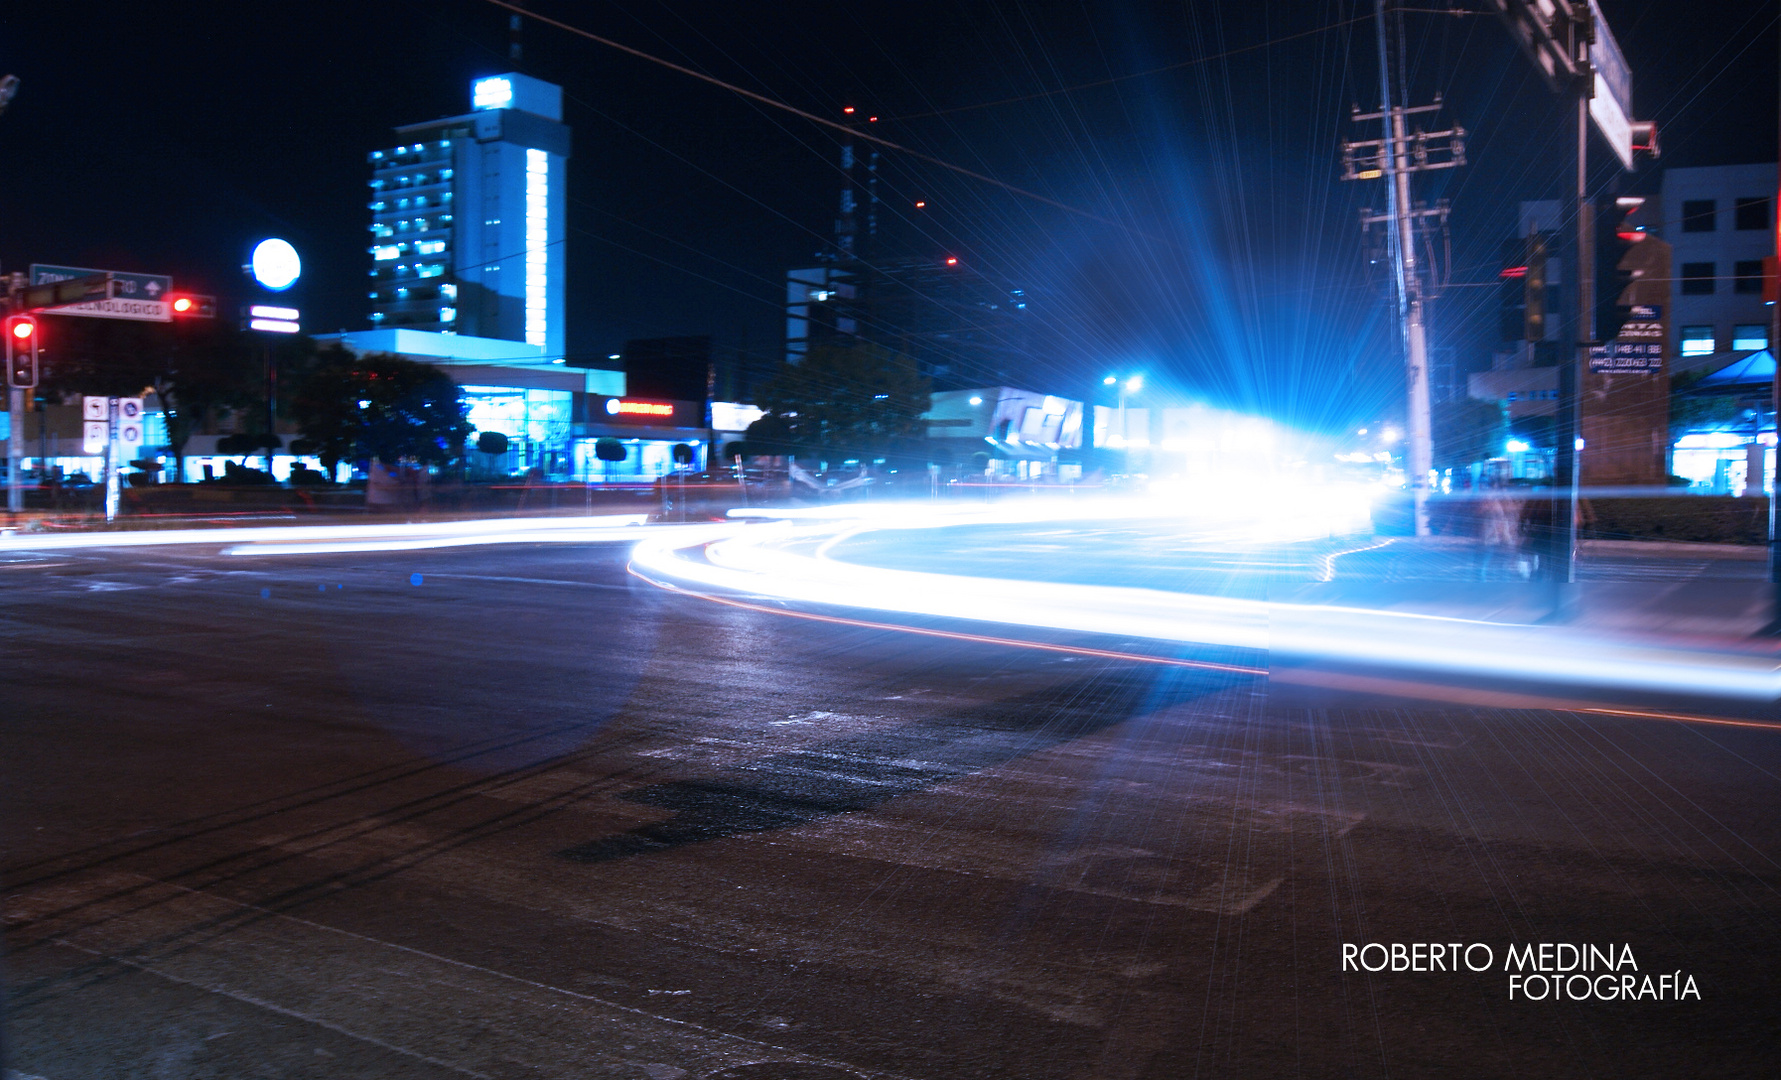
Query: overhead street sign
[1611, 106]
[142, 297]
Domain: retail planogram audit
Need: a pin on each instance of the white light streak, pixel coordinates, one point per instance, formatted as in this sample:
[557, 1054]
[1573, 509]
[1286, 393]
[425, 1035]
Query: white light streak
[791, 561]
[537, 245]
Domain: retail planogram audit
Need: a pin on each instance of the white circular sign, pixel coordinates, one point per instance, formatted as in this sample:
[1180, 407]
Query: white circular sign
[276, 265]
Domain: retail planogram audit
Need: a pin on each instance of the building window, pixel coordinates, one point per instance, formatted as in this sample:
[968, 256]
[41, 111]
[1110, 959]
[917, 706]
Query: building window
[387, 252]
[1750, 336]
[1753, 213]
[1697, 340]
[1747, 276]
[1697, 279]
[1697, 215]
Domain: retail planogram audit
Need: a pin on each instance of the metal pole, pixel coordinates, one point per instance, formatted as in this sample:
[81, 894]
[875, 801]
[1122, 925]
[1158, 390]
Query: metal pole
[15, 452]
[111, 479]
[1401, 227]
[1773, 629]
[1566, 457]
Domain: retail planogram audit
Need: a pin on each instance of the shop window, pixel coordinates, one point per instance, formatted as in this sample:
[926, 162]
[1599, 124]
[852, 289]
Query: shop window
[1750, 336]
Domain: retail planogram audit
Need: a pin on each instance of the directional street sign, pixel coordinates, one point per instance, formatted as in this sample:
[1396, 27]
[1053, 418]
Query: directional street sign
[142, 297]
[95, 408]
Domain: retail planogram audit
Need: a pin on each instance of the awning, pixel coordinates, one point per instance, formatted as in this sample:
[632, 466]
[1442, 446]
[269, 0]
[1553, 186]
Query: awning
[1741, 371]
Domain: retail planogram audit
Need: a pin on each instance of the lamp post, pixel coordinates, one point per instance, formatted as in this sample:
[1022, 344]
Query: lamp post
[1130, 384]
[275, 267]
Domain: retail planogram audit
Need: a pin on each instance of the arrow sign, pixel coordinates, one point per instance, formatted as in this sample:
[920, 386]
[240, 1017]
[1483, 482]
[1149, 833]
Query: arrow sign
[133, 296]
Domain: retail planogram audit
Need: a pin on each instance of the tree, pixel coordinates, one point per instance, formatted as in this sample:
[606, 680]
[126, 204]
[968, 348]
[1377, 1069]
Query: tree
[210, 367]
[843, 401]
[356, 408]
[193, 368]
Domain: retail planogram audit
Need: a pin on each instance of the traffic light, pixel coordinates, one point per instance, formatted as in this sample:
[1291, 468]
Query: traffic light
[191, 306]
[21, 351]
[1523, 304]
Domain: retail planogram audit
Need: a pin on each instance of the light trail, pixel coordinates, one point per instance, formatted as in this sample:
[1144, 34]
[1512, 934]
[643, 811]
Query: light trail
[954, 635]
[765, 561]
[290, 539]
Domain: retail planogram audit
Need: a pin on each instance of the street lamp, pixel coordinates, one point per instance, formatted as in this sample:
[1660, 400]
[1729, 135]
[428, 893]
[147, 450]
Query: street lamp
[1129, 385]
[275, 267]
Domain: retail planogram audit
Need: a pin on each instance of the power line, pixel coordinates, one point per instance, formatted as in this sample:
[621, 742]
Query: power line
[849, 130]
[1134, 75]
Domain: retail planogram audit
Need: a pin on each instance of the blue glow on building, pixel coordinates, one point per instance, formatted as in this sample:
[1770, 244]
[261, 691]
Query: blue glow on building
[494, 93]
[468, 219]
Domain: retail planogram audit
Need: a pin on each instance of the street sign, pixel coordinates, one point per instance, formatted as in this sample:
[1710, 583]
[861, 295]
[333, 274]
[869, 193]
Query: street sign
[1611, 106]
[95, 408]
[130, 421]
[142, 297]
[94, 435]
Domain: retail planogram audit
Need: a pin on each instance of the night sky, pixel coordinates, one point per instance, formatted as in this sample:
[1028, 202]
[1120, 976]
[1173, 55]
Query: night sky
[1216, 250]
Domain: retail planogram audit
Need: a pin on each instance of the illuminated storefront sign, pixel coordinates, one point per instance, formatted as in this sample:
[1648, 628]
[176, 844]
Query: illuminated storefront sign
[622, 407]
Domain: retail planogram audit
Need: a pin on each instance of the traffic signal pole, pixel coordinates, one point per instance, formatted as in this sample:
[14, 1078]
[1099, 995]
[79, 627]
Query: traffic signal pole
[1773, 629]
[1567, 459]
[15, 451]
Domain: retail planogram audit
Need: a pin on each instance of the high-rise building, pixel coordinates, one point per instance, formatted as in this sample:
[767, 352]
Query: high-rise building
[467, 219]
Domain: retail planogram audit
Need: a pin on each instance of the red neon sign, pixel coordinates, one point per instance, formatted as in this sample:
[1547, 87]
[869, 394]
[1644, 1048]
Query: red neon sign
[644, 408]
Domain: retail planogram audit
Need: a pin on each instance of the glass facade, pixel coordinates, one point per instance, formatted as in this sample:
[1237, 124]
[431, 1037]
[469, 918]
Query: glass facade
[411, 224]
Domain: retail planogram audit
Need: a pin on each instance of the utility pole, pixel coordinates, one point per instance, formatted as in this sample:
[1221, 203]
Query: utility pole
[1393, 157]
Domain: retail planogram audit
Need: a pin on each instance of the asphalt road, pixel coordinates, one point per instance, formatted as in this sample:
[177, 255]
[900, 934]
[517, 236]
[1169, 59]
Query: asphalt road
[510, 812]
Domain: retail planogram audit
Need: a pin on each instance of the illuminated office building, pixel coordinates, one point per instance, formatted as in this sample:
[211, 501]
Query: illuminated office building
[468, 217]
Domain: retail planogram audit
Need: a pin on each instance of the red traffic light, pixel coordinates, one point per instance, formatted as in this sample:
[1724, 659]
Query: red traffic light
[192, 305]
[21, 351]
